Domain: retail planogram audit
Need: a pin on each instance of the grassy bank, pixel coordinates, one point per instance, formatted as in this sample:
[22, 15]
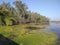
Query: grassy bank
[23, 36]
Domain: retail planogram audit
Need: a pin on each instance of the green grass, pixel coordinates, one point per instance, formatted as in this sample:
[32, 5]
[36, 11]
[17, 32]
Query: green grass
[24, 37]
[35, 39]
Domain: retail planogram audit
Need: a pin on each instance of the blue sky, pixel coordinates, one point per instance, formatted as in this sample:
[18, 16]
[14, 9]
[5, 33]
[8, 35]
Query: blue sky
[48, 8]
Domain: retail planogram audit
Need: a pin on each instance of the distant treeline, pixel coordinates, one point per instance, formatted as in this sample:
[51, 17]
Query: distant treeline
[55, 21]
[18, 13]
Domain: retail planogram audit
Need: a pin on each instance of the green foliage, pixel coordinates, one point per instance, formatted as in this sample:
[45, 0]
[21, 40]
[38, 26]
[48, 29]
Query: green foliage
[5, 16]
[0, 20]
[19, 13]
[8, 21]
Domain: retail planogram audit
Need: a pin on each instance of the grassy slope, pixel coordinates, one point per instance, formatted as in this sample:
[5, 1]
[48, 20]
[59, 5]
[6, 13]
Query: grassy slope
[22, 36]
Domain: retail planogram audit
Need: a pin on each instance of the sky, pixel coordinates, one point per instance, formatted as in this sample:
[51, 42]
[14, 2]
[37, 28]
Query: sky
[48, 8]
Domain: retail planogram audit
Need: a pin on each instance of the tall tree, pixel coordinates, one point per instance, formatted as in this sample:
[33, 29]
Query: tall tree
[8, 13]
[21, 9]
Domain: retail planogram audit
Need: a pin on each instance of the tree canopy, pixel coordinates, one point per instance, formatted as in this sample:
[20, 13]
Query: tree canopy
[18, 14]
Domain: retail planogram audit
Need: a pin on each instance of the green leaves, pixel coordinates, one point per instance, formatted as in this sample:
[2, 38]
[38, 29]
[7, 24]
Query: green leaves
[8, 21]
[0, 20]
[18, 13]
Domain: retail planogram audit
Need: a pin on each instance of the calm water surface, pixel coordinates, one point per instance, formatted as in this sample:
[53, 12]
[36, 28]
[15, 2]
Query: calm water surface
[55, 28]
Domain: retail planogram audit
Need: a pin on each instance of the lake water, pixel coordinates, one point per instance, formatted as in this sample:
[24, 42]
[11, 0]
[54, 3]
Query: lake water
[55, 28]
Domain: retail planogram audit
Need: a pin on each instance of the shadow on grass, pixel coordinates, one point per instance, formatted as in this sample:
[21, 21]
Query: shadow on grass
[34, 28]
[6, 41]
[58, 40]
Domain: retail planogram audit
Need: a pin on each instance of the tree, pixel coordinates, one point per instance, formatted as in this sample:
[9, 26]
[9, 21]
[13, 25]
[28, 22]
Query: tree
[7, 14]
[18, 14]
[3, 15]
[21, 9]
